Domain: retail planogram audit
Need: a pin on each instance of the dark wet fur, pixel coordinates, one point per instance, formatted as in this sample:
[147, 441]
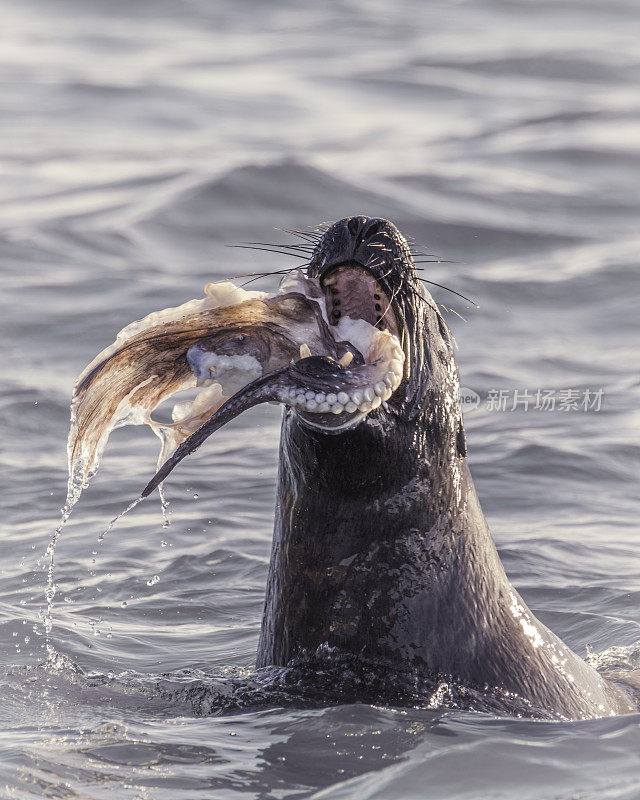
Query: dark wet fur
[380, 546]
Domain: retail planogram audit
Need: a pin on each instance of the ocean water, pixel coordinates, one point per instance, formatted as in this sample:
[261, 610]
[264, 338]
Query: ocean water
[137, 141]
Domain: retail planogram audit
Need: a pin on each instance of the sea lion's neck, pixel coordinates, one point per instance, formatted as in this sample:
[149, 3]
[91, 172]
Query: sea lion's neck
[381, 550]
[367, 543]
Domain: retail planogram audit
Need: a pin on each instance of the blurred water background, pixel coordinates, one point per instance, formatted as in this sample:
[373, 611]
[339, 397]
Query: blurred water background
[137, 140]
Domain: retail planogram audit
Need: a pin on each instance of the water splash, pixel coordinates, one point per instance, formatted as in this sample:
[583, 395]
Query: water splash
[618, 657]
[167, 446]
[78, 480]
[117, 519]
[164, 505]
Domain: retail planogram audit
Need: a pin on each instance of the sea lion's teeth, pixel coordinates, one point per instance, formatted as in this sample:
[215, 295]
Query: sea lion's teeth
[387, 394]
[346, 359]
[379, 389]
[343, 398]
[389, 379]
[397, 353]
[396, 367]
[332, 399]
[324, 407]
[330, 280]
[320, 398]
[310, 394]
[337, 409]
[305, 352]
[375, 403]
[350, 407]
[366, 407]
[311, 405]
[357, 397]
[369, 394]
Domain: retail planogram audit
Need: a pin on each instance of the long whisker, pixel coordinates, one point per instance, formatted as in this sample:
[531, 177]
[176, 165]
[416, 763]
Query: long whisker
[268, 250]
[308, 235]
[406, 285]
[393, 294]
[266, 274]
[374, 261]
[452, 310]
[386, 274]
[435, 261]
[453, 291]
[263, 274]
[305, 247]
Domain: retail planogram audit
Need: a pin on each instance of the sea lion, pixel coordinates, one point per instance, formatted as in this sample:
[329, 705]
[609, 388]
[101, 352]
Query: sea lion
[380, 545]
[381, 550]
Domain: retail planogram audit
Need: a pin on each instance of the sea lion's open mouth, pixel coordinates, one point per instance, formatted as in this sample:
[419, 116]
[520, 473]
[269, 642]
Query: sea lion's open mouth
[353, 291]
[327, 347]
[355, 303]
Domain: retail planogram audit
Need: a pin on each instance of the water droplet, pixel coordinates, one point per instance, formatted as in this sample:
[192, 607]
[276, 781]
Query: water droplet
[164, 504]
[73, 493]
[153, 581]
[113, 522]
[123, 604]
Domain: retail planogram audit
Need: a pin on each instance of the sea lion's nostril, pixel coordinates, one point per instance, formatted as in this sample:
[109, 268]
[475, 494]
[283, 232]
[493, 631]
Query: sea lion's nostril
[373, 229]
[354, 226]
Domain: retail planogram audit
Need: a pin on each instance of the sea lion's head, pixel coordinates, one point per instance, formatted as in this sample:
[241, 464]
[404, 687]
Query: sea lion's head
[367, 271]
